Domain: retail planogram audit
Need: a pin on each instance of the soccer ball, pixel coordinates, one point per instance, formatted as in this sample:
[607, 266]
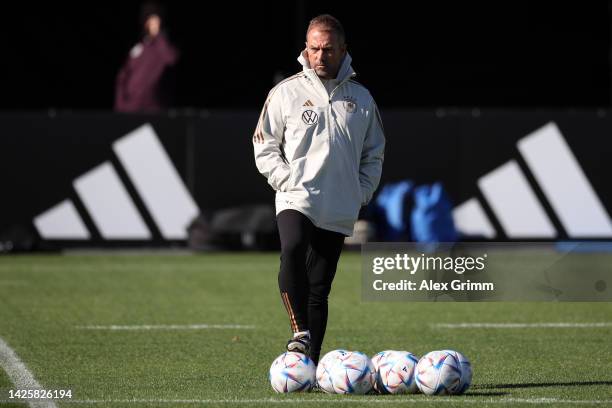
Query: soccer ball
[292, 372]
[328, 361]
[377, 360]
[466, 371]
[354, 374]
[441, 373]
[380, 356]
[395, 374]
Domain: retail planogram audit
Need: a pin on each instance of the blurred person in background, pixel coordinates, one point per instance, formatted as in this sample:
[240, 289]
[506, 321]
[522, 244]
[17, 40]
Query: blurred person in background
[144, 83]
[320, 143]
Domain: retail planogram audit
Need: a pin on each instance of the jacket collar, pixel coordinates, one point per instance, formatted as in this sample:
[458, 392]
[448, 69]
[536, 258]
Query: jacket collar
[345, 72]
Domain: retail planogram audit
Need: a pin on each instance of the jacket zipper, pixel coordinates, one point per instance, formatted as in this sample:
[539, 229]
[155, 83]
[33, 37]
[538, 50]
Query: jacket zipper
[329, 102]
[329, 105]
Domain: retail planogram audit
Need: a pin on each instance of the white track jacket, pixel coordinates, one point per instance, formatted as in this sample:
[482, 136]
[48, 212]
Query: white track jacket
[321, 151]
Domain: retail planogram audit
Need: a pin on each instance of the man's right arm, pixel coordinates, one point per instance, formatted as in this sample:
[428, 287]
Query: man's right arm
[267, 140]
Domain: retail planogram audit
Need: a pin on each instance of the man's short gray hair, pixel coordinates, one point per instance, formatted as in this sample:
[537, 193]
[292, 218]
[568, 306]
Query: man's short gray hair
[330, 23]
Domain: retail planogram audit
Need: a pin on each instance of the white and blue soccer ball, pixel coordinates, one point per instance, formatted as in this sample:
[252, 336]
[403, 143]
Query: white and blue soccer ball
[378, 359]
[442, 373]
[395, 373]
[381, 356]
[292, 372]
[354, 374]
[466, 371]
[325, 366]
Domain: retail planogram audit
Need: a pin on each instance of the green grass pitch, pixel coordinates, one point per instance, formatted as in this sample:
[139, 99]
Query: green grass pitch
[45, 300]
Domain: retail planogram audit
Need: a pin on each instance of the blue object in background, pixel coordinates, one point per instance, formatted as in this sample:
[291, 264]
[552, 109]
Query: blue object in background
[404, 212]
[431, 217]
[391, 211]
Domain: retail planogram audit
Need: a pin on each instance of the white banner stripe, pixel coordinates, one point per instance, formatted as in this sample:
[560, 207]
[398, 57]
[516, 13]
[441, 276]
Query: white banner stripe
[470, 219]
[157, 181]
[109, 204]
[20, 376]
[564, 183]
[515, 204]
[519, 325]
[61, 221]
[167, 327]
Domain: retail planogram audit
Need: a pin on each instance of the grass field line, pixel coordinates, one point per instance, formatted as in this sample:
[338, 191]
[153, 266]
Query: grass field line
[348, 400]
[519, 325]
[19, 374]
[167, 327]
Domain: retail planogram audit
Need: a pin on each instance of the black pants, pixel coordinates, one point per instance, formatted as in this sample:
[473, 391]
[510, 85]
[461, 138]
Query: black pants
[309, 257]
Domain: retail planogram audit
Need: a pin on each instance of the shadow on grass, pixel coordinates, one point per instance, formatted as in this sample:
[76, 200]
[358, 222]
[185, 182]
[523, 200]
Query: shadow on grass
[540, 385]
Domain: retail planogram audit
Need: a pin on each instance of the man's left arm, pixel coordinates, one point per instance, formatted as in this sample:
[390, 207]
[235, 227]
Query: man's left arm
[372, 156]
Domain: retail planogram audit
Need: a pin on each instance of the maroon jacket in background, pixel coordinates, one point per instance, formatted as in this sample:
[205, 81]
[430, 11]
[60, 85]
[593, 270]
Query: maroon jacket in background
[138, 86]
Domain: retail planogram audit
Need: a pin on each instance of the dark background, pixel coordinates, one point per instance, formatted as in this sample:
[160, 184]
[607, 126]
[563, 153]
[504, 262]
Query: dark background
[65, 55]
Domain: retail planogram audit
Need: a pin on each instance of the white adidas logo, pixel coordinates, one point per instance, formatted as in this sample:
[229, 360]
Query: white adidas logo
[166, 198]
[109, 204]
[515, 205]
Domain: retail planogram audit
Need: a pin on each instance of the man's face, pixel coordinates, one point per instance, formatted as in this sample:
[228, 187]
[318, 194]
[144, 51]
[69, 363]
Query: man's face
[324, 52]
[152, 25]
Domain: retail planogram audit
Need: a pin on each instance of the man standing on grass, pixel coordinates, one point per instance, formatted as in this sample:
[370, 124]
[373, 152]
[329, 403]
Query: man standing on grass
[320, 143]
